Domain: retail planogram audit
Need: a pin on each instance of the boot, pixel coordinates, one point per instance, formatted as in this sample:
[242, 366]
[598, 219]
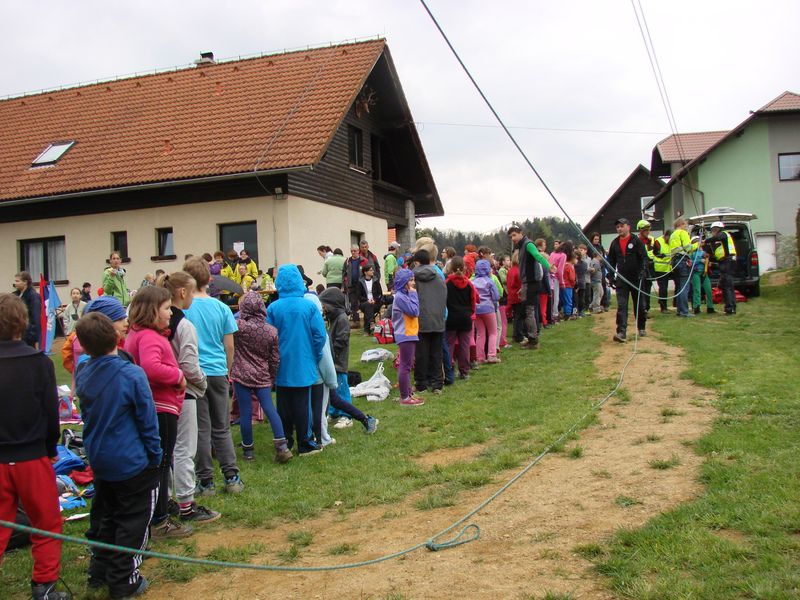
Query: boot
[282, 452]
[248, 452]
[46, 591]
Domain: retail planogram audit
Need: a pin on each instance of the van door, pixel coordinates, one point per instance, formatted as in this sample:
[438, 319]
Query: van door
[767, 245]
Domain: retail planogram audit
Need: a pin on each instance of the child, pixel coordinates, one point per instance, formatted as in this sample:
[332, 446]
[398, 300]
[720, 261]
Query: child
[405, 318]
[485, 311]
[570, 278]
[149, 315]
[255, 368]
[461, 300]
[333, 303]
[215, 328]
[370, 296]
[183, 339]
[244, 278]
[582, 279]
[515, 305]
[301, 340]
[86, 292]
[596, 274]
[73, 311]
[545, 307]
[121, 440]
[29, 433]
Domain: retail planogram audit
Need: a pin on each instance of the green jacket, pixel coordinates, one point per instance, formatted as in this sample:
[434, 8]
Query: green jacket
[114, 285]
[389, 267]
[333, 269]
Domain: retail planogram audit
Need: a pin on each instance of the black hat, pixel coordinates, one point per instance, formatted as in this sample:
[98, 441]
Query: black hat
[622, 221]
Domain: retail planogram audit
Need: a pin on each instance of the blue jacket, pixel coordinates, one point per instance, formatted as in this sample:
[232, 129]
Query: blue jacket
[120, 431]
[301, 330]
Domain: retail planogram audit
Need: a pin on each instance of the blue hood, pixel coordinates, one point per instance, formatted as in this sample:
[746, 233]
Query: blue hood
[289, 282]
[482, 268]
[401, 278]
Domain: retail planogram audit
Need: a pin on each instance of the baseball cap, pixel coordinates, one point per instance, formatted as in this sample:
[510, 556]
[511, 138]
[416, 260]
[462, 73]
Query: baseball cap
[622, 221]
[394, 246]
[718, 224]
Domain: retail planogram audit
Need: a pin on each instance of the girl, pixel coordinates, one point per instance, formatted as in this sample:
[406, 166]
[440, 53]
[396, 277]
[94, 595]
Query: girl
[73, 311]
[485, 311]
[254, 371]
[244, 278]
[183, 339]
[405, 318]
[461, 300]
[149, 317]
[23, 287]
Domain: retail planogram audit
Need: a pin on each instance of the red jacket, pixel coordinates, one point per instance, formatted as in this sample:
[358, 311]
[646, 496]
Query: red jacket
[514, 285]
[151, 351]
[569, 276]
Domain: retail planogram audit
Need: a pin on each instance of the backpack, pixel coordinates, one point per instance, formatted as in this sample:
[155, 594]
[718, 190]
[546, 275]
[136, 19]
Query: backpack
[383, 331]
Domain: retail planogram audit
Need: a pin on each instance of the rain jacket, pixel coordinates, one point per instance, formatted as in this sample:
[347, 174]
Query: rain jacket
[339, 330]
[432, 298]
[301, 330]
[256, 356]
[151, 351]
[405, 309]
[120, 431]
[485, 288]
[461, 301]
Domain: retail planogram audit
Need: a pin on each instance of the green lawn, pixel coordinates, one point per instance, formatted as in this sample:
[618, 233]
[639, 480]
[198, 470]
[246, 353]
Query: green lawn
[515, 409]
[741, 539]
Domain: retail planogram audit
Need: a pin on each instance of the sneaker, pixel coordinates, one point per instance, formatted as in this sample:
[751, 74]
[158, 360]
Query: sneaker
[140, 589]
[437, 391]
[200, 514]
[697, 310]
[343, 423]
[533, 344]
[642, 333]
[710, 310]
[248, 452]
[170, 529]
[372, 425]
[314, 450]
[205, 488]
[463, 376]
[173, 509]
[412, 401]
[47, 591]
[493, 360]
[331, 441]
[234, 484]
[619, 337]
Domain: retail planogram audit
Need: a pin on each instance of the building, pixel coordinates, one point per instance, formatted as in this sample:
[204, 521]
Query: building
[279, 152]
[753, 168]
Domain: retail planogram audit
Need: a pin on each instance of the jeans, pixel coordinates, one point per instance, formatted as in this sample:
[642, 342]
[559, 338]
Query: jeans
[682, 273]
[264, 395]
[567, 297]
[214, 429]
[447, 361]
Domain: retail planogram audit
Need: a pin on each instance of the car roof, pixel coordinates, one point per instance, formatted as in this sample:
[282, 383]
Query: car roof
[724, 214]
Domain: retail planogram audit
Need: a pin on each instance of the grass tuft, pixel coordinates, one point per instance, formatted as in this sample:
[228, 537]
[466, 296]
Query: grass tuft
[663, 465]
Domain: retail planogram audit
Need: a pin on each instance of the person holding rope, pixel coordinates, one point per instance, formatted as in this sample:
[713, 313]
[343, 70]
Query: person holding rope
[680, 249]
[643, 227]
[721, 245]
[662, 267]
[628, 259]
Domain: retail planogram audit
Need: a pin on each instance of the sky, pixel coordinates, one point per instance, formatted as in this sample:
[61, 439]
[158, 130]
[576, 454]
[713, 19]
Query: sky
[572, 79]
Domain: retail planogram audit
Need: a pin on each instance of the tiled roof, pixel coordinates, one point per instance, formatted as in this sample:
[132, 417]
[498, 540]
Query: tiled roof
[786, 101]
[274, 112]
[684, 147]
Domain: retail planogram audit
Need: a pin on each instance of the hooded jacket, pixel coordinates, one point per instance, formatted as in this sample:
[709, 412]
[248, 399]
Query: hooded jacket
[151, 351]
[29, 426]
[333, 301]
[405, 309]
[255, 356]
[461, 301]
[183, 339]
[486, 289]
[432, 299]
[301, 330]
[120, 431]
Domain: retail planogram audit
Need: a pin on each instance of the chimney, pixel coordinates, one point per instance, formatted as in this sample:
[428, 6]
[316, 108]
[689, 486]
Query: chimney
[206, 59]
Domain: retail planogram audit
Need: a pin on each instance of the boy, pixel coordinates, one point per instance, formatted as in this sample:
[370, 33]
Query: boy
[28, 436]
[370, 296]
[123, 446]
[215, 328]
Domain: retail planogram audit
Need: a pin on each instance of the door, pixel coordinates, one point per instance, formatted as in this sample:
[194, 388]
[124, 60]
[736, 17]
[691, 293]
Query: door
[246, 233]
[766, 244]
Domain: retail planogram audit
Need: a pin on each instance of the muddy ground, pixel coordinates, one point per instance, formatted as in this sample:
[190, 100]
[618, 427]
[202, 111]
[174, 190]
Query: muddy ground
[529, 534]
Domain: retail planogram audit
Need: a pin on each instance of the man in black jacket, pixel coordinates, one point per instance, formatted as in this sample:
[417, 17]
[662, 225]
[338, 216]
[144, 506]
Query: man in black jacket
[370, 296]
[628, 257]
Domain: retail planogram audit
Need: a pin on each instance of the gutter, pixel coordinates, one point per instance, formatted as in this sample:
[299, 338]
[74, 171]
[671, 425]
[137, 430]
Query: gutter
[154, 185]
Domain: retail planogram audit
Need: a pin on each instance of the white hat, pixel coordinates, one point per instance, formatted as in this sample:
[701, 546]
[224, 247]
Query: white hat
[717, 224]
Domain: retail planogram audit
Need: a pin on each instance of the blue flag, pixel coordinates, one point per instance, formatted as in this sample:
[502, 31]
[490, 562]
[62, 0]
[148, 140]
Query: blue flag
[51, 303]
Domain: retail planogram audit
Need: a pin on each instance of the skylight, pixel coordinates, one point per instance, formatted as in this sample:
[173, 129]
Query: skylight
[52, 154]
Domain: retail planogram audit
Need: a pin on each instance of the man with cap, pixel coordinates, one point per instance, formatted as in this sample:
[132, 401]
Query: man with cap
[390, 264]
[643, 227]
[720, 245]
[628, 259]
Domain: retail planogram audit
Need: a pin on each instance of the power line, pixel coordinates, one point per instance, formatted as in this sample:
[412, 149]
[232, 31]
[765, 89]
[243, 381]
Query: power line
[532, 128]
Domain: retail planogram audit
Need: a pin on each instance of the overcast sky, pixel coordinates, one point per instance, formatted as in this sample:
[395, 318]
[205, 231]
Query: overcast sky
[547, 66]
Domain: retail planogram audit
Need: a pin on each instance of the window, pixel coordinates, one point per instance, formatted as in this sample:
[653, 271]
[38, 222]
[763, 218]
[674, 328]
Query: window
[245, 233]
[52, 154]
[119, 243]
[46, 256]
[789, 167]
[647, 213]
[356, 237]
[355, 146]
[375, 150]
[164, 243]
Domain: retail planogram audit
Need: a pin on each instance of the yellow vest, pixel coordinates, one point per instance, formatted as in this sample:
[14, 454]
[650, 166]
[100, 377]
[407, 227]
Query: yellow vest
[680, 243]
[661, 263]
[719, 250]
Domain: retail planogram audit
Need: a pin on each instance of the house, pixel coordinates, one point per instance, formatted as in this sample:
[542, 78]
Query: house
[627, 201]
[280, 152]
[755, 168]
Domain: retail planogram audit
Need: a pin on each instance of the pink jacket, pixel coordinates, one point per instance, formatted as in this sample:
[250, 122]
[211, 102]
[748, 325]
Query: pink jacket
[559, 259]
[151, 351]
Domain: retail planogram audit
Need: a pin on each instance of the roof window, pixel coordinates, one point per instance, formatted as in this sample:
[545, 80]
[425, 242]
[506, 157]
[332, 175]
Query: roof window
[52, 154]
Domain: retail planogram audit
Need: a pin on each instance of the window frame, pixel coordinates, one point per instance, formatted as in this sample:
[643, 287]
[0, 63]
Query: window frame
[355, 147]
[39, 160]
[116, 246]
[45, 271]
[162, 244]
[797, 177]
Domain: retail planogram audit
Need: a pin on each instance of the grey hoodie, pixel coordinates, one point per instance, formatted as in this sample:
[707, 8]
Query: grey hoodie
[432, 293]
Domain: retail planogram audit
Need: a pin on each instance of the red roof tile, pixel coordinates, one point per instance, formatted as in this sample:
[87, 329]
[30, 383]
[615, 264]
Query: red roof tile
[684, 147]
[273, 112]
[786, 101]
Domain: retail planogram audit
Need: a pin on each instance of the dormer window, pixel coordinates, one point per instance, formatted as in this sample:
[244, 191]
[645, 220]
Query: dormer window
[52, 154]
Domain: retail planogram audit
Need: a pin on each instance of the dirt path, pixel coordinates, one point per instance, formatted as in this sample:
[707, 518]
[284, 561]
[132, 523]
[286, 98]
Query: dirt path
[529, 534]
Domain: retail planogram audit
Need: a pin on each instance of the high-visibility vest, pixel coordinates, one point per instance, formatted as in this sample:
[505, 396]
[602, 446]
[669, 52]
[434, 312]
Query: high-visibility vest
[648, 247]
[661, 261]
[680, 243]
[719, 250]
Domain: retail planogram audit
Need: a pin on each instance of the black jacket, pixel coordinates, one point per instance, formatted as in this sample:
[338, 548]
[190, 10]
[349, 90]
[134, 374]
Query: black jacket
[29, 427]
[632, 264]
[332, 300]
[377, 290]
[33, 302]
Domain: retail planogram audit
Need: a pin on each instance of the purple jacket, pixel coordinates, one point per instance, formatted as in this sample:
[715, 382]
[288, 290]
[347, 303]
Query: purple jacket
[256, 356]
[405, 309]
[486, 289]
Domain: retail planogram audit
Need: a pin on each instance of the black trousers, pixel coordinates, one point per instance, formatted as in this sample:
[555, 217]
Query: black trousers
[168, 431]
[294, 409]
[726, 284]
[121, 513]
[370, 310]
[647, 286]
[352, 297]
[428, 361]
[623, 291]
[518, 313]
[663, 292]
